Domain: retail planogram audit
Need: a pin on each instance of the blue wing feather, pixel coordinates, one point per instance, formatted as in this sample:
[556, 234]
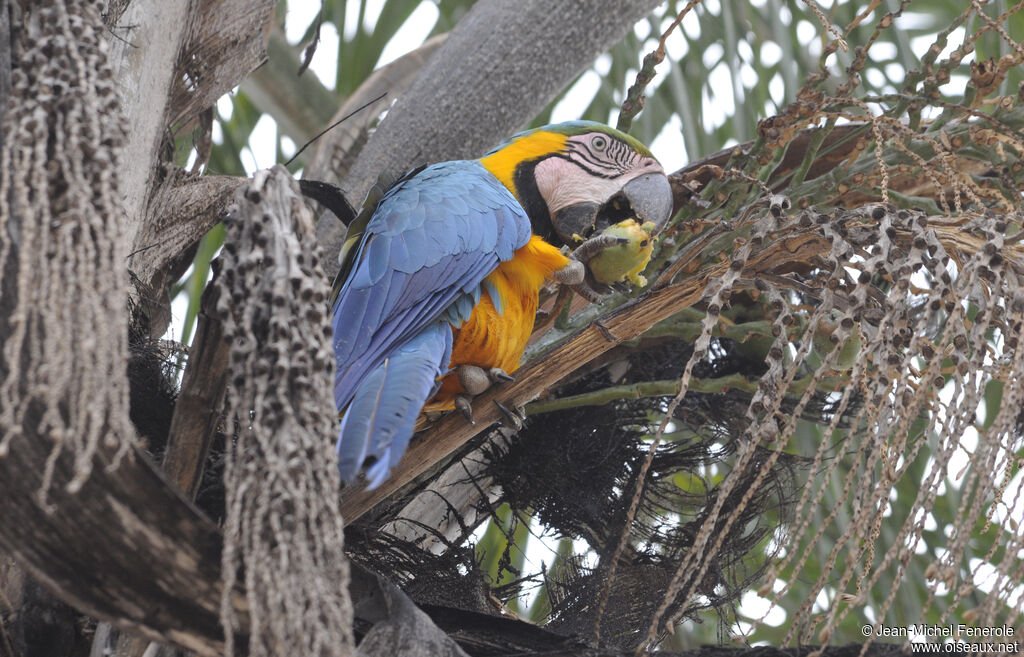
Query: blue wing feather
[492, 292]
[432, 240]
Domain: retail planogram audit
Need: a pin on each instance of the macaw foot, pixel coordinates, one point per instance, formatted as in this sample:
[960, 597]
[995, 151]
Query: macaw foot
[475, 380]
[574, 274]
[589, 293]
[586, 251]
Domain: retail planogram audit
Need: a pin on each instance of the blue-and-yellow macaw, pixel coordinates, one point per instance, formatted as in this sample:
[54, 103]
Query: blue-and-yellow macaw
[438, 291]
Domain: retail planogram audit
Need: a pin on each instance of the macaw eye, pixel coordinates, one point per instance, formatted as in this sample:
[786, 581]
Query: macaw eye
[599, 143]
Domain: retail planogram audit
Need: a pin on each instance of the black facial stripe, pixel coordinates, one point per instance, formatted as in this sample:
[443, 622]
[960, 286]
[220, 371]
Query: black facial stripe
[593, 160]
[623, 154]
[620, 153]
[581, 164]
[596, 160]
[585, 151]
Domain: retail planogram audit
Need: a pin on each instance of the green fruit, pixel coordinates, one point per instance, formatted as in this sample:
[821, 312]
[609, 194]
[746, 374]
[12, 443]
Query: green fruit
[624, 262]
[850, 351]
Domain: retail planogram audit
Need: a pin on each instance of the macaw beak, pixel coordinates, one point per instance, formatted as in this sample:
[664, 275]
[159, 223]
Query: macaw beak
[650, 197]
[645, 198]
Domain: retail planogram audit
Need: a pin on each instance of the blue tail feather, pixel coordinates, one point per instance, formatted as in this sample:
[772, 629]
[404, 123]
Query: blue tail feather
[380, 420]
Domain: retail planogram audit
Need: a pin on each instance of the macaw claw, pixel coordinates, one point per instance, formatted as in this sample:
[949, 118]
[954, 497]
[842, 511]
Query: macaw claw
[515, 418]
[498, 375]
[465, 407]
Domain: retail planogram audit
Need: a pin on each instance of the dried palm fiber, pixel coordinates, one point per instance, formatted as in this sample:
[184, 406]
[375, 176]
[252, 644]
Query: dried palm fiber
[283, 525]
[591, 492]
[906, 282]
[62, 245]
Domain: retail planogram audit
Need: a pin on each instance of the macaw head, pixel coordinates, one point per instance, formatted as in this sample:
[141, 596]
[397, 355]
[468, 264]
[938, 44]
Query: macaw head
[576, 178]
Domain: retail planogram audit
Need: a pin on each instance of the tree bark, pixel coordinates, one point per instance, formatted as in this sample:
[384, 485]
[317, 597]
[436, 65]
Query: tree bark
[182, 209]
[172, 60]
[199, 405]
[143, 58]
[5, 60]
[127, 548]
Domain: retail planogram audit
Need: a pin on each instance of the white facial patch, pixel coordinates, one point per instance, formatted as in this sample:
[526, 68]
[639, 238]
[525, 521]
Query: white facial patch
[562, 184]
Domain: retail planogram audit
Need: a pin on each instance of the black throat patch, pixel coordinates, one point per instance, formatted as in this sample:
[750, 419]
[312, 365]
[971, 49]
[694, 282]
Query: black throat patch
[530, 198]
